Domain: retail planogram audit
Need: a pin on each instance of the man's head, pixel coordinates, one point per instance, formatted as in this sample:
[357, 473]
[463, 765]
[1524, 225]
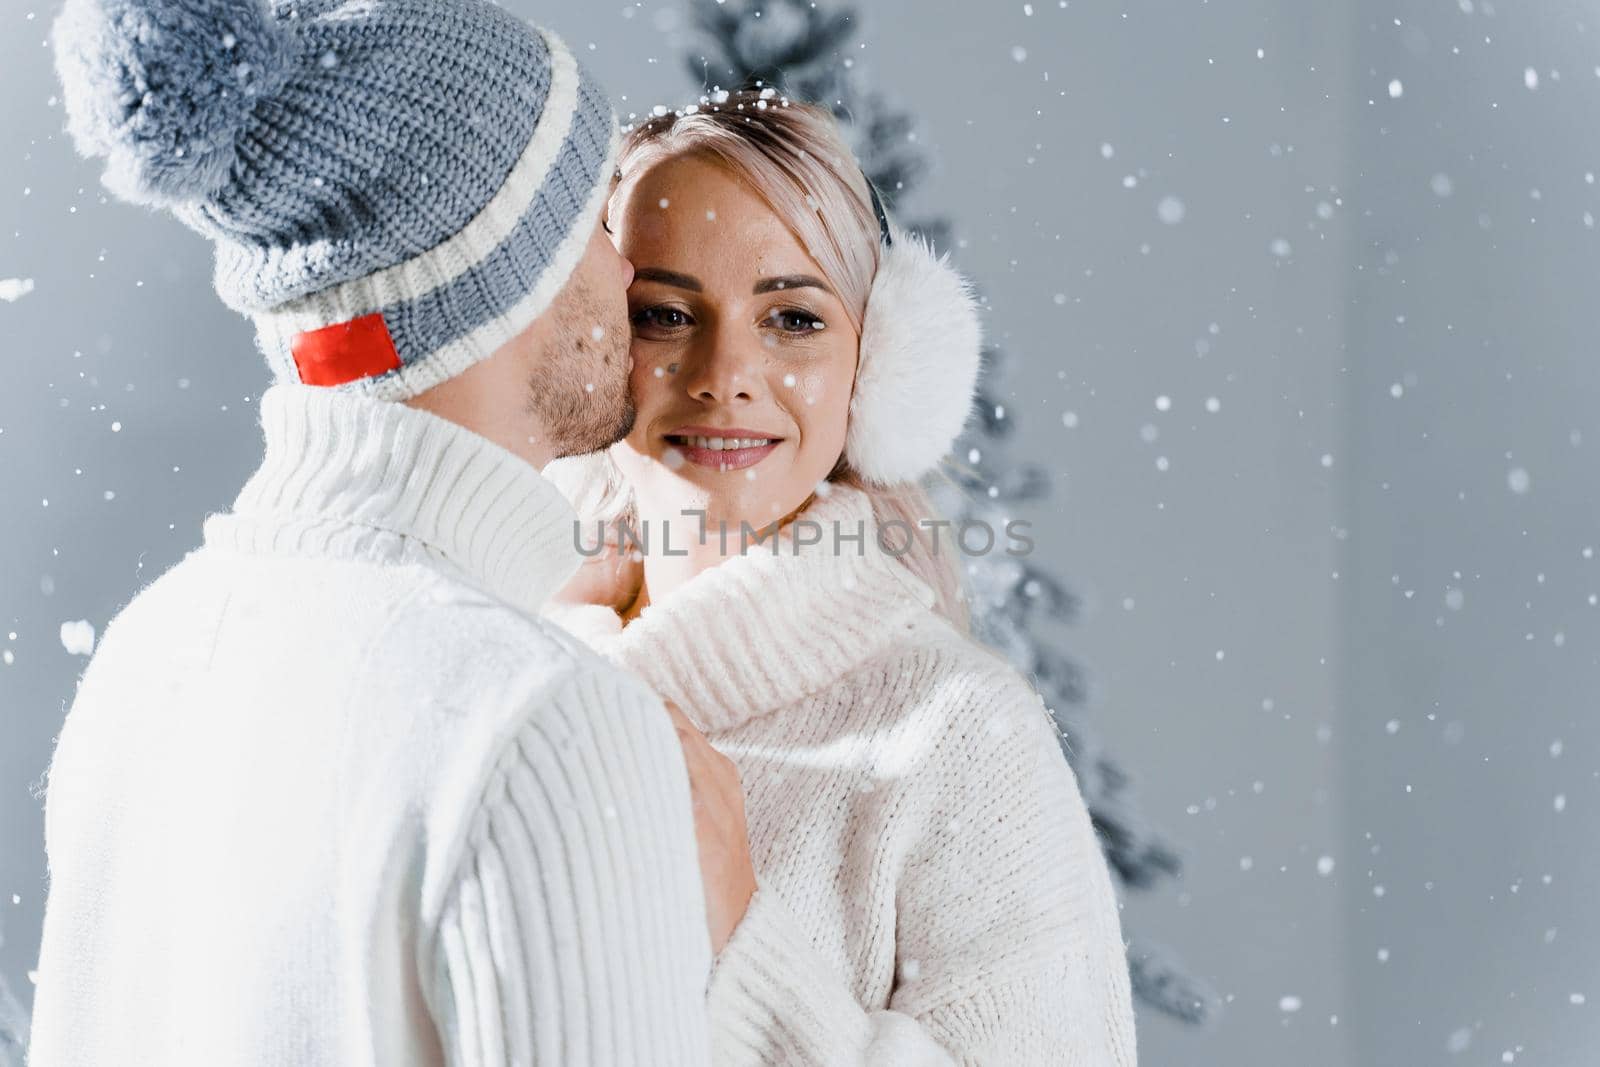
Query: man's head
[396, 191]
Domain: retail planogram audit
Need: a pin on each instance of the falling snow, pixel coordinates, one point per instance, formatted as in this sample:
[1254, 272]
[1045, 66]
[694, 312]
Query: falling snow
[1296, 195]
[77, 637]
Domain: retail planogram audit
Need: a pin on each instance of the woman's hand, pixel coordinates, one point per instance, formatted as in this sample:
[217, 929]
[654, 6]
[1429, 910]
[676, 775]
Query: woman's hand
[610, 577]
[718, 797]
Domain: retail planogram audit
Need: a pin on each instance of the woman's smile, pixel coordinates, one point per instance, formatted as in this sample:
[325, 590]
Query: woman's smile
[722, 448]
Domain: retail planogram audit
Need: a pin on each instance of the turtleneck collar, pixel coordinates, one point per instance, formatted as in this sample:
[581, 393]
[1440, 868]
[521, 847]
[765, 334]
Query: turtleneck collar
[760, 631]
[347, 475]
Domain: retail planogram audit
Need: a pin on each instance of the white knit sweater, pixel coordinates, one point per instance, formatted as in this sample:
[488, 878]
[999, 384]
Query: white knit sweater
[931, 888]
[329, 794]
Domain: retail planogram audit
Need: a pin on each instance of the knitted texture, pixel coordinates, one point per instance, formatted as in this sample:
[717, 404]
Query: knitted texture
[327, 798]
[437, 162]
[931, 888]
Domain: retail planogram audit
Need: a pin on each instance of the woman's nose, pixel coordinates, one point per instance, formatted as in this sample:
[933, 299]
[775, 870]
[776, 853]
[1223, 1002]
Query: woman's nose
[722, 373]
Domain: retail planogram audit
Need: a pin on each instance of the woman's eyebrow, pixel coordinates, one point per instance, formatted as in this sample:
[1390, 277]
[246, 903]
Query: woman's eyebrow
[668, 277]
[790, 281]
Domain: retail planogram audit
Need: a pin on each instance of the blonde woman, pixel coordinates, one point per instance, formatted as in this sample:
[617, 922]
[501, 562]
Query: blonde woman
[898, 865]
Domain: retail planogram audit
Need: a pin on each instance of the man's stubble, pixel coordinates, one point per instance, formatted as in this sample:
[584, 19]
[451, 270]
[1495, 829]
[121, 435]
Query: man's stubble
[578, 390]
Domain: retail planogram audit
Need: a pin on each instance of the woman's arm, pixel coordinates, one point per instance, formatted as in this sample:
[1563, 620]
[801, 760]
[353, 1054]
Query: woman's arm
[1008, 943]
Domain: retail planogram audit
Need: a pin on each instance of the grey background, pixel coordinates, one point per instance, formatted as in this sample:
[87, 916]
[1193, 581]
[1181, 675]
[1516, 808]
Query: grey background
[1368, 657]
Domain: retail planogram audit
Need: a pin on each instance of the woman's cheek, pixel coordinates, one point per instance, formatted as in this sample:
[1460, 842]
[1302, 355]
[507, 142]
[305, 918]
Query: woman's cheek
[643, 366]
[829, 397]
[652, 374]
[819, 402]
[808, 389]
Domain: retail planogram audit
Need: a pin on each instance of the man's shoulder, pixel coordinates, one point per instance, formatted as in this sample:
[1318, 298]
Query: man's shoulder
[454, 649]
[412, 640]
[453, 685]
[444, 614]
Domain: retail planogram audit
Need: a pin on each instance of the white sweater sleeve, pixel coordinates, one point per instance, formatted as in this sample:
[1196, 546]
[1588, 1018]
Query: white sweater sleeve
[574, 929]
[1008, 945]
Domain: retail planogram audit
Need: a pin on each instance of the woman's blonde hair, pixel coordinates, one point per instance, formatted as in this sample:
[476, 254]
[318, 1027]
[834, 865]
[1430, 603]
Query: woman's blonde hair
[794, 156]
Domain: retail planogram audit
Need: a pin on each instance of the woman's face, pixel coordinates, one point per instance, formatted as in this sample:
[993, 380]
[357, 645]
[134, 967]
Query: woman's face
[743, 356]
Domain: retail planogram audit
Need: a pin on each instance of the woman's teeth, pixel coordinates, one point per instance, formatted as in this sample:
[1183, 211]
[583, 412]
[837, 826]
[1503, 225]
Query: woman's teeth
[724, 443]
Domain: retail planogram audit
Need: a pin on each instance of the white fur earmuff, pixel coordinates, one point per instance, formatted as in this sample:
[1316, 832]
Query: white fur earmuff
[921, 344]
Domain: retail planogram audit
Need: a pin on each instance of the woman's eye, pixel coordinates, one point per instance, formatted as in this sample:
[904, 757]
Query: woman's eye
[794, 320]
[660, 318]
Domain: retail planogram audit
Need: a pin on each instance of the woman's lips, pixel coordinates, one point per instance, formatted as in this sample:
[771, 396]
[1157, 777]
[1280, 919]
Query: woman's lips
[723, 453]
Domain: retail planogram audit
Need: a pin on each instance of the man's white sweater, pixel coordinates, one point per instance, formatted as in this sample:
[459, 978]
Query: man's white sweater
[329, 794]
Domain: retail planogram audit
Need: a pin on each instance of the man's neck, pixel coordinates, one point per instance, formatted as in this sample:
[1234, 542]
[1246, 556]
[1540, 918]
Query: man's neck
[488, 399]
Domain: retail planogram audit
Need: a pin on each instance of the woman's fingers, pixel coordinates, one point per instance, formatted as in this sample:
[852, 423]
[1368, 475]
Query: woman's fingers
[679, 719]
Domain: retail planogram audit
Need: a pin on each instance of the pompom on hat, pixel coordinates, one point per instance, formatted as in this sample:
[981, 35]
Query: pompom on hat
[394, 188]
[174, 88]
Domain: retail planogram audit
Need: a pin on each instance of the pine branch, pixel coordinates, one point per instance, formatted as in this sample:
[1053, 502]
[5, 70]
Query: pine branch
[1163, 985]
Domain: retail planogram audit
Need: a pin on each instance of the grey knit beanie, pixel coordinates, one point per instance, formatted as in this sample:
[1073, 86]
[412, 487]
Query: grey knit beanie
[394, 187]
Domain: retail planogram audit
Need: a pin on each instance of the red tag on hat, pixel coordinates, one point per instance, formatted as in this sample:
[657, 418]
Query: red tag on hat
[345, 351]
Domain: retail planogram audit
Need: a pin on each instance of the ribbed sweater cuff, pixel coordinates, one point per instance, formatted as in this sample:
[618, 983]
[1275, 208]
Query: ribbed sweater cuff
[773, 998]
